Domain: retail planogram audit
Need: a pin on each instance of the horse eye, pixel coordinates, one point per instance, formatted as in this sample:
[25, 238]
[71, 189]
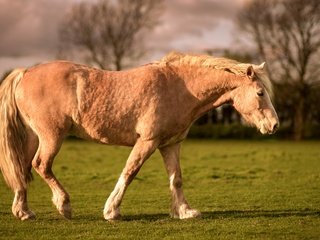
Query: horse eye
[260, 93]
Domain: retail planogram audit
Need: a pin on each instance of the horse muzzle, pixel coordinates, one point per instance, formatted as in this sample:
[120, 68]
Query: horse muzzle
[268, 126]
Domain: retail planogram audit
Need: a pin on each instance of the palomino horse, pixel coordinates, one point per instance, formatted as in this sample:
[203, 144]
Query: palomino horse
[149, 107]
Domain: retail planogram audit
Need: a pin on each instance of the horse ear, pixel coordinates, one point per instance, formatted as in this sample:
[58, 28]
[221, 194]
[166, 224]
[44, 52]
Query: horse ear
[262, 65]
[250, 72]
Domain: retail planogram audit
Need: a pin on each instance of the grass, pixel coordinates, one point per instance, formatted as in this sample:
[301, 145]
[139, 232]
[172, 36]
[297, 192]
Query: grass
[245, 190]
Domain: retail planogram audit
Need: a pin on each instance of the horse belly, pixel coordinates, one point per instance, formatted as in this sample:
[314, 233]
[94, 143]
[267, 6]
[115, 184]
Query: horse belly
[106, 130]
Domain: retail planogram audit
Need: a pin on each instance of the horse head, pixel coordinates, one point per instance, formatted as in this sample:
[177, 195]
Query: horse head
[252, 99]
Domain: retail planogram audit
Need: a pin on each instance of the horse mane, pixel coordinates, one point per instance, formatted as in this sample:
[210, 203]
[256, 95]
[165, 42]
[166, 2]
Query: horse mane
[218, 63]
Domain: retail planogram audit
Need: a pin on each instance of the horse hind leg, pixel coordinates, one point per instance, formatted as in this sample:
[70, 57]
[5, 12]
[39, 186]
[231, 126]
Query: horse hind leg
[20, 207]
[42, 163]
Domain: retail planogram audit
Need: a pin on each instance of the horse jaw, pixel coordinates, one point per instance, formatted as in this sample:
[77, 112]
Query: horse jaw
[261, 124]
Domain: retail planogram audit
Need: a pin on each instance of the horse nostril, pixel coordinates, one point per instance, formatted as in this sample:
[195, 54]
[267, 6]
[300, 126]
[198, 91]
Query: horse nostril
[275, 127]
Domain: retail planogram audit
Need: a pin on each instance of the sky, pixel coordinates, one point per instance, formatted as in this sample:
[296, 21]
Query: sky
[29, 29]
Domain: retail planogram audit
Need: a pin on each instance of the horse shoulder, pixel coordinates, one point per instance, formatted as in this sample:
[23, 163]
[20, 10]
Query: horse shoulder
[166, 114]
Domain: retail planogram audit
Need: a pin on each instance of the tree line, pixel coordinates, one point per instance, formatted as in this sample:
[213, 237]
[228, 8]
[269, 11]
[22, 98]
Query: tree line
[286, 35]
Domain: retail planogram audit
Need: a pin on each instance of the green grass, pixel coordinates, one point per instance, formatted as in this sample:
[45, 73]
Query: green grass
[245, 190]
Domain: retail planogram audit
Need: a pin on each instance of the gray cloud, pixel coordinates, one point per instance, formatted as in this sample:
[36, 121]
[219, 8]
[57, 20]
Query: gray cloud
[191, 22]
[30, 27]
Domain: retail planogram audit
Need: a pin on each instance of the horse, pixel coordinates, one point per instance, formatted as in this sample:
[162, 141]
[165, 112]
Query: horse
[148, 108]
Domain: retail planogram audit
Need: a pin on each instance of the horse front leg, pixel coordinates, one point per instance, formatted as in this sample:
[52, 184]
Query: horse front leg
[180, 207]
[139, 154]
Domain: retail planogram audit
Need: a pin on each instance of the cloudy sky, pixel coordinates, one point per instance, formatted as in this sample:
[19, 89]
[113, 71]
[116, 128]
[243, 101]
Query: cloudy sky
[29, 29]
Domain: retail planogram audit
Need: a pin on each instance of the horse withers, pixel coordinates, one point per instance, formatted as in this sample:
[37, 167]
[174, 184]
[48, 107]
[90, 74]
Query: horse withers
[150, 107]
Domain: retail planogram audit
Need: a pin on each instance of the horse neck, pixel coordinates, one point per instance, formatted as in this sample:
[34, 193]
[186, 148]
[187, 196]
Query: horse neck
[211, 87]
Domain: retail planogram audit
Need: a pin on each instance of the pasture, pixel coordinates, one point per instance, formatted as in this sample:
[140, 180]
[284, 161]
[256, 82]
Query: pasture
[244, 189]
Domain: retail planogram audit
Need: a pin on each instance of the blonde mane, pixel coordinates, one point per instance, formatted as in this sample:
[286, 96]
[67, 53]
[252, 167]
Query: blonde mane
[219, 63]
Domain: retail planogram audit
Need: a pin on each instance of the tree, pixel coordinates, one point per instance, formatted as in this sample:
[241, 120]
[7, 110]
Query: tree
[109, 33]
[287, 37]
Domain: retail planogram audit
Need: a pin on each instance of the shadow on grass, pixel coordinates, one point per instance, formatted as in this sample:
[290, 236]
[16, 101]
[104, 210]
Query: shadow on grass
[146, 217]
[231, 214]
[124, 218]
[166, 217]
[94, 217]
[205, 215]
[260, 213]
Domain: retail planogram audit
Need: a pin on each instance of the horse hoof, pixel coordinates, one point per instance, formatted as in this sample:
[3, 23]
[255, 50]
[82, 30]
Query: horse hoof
[187, 213]
[25, 215]
[190, 213]
[66, 212]
[112, 215]
[63, 205]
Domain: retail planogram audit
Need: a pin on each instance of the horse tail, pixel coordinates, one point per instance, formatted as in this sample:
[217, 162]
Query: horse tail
[13, 134]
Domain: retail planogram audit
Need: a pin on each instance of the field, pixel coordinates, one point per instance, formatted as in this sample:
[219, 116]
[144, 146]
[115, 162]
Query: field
[244, 189]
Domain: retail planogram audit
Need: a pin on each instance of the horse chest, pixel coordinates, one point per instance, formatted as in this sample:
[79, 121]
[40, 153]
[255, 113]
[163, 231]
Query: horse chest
[175, 139]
